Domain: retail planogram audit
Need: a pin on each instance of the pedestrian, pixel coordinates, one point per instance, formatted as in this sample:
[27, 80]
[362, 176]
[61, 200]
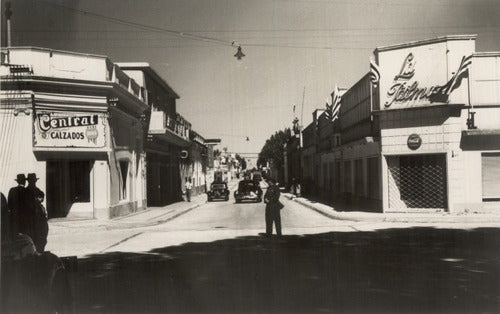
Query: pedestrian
[188, 187]
[41, 227]
[20, 208]
[297, 189]
[273, 208]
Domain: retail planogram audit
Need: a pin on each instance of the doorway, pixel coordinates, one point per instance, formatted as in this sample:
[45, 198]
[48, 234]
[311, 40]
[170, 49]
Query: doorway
[69, 188]
[417, 181]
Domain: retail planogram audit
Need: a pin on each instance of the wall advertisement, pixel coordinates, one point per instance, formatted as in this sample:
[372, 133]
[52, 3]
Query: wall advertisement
[420, 76]
[69, 129]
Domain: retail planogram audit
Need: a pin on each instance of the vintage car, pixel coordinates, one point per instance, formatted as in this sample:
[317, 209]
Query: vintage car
[218, 190]
[248, 190]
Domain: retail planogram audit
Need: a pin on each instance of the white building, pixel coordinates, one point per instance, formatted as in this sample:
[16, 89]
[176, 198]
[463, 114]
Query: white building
[74, 120]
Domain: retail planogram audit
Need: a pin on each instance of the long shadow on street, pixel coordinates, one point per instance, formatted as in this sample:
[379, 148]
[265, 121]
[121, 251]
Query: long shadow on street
[395, 270]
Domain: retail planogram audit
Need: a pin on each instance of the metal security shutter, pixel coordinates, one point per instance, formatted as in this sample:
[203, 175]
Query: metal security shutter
[491, 176]
[417, 181]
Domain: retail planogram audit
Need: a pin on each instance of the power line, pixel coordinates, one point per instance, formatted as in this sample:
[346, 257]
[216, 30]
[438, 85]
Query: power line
[144, 26]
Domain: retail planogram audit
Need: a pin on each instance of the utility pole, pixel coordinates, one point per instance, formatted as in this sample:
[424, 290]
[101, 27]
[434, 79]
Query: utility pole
[302, 116]
[8, 14]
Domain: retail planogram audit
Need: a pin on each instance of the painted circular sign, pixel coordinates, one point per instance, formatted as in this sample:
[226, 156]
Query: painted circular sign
[414, 141]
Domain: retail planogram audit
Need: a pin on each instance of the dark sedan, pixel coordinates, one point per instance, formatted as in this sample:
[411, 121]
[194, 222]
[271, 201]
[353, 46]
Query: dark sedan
[218, 191]
[248, 190]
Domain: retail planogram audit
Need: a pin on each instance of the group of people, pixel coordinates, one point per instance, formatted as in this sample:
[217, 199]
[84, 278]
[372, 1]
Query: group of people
[23, 212]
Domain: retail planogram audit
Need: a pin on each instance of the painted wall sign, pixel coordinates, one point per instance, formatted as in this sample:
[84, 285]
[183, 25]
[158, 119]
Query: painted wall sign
[414, 141]
[69, 129]
[405, 91]
[424, 75]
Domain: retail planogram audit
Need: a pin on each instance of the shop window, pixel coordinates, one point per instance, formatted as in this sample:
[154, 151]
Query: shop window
[123, 179]
[491, 176]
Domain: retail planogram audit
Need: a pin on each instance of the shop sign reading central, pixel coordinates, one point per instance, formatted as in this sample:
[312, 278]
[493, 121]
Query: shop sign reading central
[69, 129]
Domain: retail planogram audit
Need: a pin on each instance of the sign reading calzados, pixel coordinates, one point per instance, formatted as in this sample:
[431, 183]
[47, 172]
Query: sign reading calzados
[70, 129]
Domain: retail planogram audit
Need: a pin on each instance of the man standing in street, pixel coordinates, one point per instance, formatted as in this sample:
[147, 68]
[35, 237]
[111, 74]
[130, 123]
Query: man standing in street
[41, 228]
[188, 187]
[18, 205]
[273, 207]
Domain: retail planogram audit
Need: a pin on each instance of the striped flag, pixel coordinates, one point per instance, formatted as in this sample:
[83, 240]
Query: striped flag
[336, 103]
[374, 73]
[441, 94]
[332, 111]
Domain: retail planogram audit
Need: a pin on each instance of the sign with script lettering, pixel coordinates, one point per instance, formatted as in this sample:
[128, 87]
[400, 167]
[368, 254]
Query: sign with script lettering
[416, 75]
[70, 129]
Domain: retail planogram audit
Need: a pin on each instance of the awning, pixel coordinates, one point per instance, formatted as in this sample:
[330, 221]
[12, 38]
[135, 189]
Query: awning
[480, 140]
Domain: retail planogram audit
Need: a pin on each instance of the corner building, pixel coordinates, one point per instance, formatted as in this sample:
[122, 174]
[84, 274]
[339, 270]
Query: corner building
[76, 120]
[439, 113]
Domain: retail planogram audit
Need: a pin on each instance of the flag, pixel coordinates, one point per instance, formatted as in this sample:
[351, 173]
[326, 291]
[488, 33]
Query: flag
[328, 111]
[332, 110]
[442, 93]
[374, 73]
[336, 103]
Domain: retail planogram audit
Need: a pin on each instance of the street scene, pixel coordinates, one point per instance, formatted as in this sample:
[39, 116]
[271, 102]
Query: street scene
[266, 156]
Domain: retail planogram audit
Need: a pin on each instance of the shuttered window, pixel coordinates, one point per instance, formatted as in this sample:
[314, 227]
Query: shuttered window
[491, 176]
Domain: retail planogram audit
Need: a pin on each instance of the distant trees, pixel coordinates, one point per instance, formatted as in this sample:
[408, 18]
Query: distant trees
[273, 150]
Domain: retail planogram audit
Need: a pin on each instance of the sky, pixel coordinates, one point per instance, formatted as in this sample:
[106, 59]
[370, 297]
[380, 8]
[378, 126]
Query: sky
[296, 51]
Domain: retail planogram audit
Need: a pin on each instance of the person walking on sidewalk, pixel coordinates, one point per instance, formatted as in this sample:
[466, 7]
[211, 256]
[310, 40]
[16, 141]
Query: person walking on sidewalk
[188, 187]
[273, 207]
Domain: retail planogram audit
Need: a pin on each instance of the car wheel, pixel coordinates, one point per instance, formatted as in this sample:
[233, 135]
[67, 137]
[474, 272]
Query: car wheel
[227, 198]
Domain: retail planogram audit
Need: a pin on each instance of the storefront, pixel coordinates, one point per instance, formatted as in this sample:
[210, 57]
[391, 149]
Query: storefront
[80, 132]
[435, 119]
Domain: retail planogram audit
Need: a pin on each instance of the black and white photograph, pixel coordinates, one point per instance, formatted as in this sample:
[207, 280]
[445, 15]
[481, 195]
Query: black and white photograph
[250, 156]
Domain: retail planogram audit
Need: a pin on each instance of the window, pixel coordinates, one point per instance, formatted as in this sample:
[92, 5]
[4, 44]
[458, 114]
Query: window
[123, 179]
[491, 176]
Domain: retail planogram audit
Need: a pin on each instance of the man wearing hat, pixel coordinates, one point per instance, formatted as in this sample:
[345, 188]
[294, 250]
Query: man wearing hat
[16, 201]
[39, 219]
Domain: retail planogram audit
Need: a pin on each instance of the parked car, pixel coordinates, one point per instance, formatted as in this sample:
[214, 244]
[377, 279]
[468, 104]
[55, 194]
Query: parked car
[248, 190]
[218, 190]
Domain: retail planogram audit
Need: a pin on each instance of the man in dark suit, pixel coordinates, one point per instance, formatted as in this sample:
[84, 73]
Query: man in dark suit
[273, 207]
[17, 203]
[41, 226]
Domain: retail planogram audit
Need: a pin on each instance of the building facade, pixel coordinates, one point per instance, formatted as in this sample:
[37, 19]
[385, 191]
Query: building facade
[439, 119]
[425, 137]
[76, 120]
[166, 137]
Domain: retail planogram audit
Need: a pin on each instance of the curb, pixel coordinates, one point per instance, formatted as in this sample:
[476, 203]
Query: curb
[128, 225]
[396, 218]
[119, 223]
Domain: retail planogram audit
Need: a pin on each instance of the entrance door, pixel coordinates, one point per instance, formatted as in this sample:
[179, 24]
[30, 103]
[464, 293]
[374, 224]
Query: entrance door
[68, 188]
[417, 181]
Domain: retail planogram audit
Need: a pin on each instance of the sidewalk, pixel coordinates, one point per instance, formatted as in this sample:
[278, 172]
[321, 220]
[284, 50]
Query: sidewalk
[438, 217]
[149, 217]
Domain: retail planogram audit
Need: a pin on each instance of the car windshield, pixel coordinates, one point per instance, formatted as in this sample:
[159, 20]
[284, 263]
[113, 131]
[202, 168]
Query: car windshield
[218, 186]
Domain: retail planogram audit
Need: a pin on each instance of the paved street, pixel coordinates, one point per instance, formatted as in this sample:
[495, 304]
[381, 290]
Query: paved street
[211, 259]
